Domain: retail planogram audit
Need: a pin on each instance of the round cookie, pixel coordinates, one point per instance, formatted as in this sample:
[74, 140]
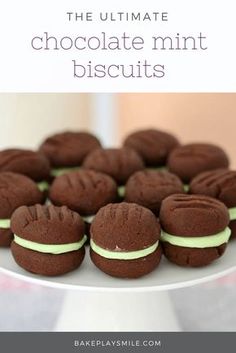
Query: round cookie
[153, 145]
[149, 188]
[15, 190]
[190, 160]
[125, 240]
[220, 184]
[67, 150]
[84, 191]
[48, 240]
[30, 163]
[119, 163]
[194, 229]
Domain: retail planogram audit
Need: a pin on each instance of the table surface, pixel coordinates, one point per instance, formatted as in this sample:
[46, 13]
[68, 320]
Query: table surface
[167, 276]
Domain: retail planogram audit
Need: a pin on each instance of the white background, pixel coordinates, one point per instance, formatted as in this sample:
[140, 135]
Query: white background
[23, 69]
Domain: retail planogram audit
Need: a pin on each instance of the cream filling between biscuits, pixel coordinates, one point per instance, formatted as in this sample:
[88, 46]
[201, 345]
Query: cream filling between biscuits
[186, 188]
[208, 241]
[121, 191]
[60, 171]
[123, 255]
[43, 186]
[5, 223]
[88, 219]
[49, 248]
[232, 213]
[162, 168]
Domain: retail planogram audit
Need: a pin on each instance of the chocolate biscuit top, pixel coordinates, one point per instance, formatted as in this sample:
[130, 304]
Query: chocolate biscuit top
[190, 160]
[84, 191]
[68, 149]
[30, 163]
[47, 224]
[149, 188]
[153, 145]
[16, 190]
[125, 227]
[193, 215]
[220, 184]
[119, 163]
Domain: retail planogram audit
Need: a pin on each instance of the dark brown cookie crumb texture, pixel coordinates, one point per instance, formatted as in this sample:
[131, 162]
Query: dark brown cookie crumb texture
[220, 184]
[30, 163]
[193, 215]
[232, 226]
[16, 190]
[128, 226]
[192, 257]
[149, 188]
[47, 264]
[47, 224]
[190, 160]
[153, 145]
[119, 163]
[127, 268]
[68, 149]
[85, 191]
[87, 232]
[6, 237]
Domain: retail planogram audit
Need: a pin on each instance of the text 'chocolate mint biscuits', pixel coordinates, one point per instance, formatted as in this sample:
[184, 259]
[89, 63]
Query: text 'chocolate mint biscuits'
[48, 240]
[125, 240]
[32, 164]
[68, 149]
[220, 184]
[15, 190]
[119, 163]
[194, 229]
[153, 145]
[190, 160]
[149, 188]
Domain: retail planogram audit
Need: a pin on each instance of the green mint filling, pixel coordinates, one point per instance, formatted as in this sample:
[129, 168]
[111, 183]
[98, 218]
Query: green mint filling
[5, 223]
[88, 219]
[123, 255]
[208, 241]
[121, 191]
[43, 186]
[186, 188]
[49, 248]
[162, 168]
[232, 213]
[60, 171]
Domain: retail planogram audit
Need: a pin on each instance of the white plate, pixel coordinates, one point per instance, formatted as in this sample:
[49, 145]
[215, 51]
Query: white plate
[88, 277]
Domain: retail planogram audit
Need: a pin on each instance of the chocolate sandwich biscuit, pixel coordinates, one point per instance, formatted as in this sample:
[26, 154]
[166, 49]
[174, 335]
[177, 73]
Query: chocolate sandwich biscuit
[67, 150]
[30, 163]
[15, 190]
[220, 184]
[125, 240]
[194, 229]
[190, 160]
[48, 240]
[84, 191]
[149, 188]
[119, 163]
[154, 146]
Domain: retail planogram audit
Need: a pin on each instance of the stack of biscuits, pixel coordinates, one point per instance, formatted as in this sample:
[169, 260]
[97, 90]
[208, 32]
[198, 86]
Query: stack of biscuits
[129, 206]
